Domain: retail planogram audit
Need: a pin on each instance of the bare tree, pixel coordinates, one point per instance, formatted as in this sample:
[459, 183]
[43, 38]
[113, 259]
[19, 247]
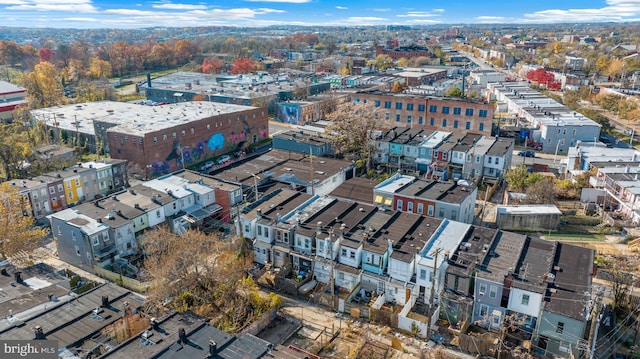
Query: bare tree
[350, 131]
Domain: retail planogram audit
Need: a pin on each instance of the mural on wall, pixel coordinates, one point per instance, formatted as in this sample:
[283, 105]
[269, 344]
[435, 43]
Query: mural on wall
[289, 113]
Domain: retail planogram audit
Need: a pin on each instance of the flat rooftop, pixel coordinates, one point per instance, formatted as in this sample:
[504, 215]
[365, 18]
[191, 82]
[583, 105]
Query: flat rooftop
[529, 209]
[130, 118]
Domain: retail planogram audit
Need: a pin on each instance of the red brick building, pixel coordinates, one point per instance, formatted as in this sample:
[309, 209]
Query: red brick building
[161, 138]
[407, 52]
[432, 113]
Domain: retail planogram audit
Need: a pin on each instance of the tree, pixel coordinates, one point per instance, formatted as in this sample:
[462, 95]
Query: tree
[243, 66]
[541, 191]
[543, 77]
[18, 235]
[44, 86]
[351, 128]
[211, 65]
[453, 92]
[381, 62]
[402, 62]
[397, 87]
[199, 272]
[516, 177]
[100, 69]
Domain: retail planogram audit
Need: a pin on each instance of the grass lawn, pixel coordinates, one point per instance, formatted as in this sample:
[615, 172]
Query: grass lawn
[573, 237]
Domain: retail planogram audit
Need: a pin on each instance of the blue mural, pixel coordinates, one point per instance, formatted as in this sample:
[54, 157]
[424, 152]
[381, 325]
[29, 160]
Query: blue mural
[216, 142]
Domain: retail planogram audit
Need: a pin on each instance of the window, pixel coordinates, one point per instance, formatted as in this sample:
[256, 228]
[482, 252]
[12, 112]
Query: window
[59, 230]
[352, 254]
[398, 105]
[71, 195]
[164, 137]
[483, 289]
[482, 113]
[387, 104]
[158, 214]
[410, 106]
[525, 299]
[484, 310]
[457, 110]
[52, 190]
[489, 159]
[96, 241]
[60, 188]
[477, 159]
[420, 120]
[174, 135]
[377, 103]
[433, 108]
[343, 252]
[409, 119]
[430, 210]
[259, 230]
[468, 112]
[560, 328]
[432, 121]
[445, 110]
[420, 208]
[77, 182]
[398, 118]
[444, 122]
[77, 250]
[399, 205]
[155, 139]
[493, 291]
[386, 116]
[481, 127]
[441, 213]
[455, 123]
[421, 108]
[423, 274]
[410, 207]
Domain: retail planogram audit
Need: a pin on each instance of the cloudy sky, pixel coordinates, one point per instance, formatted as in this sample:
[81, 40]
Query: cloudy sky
[136, 14]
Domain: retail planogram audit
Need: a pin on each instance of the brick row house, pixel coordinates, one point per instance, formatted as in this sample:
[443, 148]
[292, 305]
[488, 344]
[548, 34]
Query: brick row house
[378, 258]
[57, 190]
[94, 233]
[443, 155]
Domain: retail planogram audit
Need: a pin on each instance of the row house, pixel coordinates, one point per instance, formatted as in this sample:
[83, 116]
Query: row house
[57, 190]
[403, 149]
[459, 153]
[427, 197]
[433, 267]
[430, 113]
[174, 200]
[427, 153]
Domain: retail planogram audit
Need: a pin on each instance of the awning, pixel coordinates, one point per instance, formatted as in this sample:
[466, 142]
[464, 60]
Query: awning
[387, 201]
[378, 199]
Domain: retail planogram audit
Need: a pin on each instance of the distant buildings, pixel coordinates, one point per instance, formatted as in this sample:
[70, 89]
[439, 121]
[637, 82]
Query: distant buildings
[11, 96]
[395, 52]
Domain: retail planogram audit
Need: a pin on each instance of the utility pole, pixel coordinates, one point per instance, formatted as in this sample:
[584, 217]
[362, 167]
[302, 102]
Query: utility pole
[434, 254]
[595, 321]
[313, 187]
[333, 280]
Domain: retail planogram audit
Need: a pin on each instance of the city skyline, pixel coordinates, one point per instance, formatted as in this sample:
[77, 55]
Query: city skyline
[87, 14]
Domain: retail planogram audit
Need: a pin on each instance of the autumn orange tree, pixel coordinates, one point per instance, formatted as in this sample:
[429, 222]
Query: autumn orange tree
[243, 66]
[18, 235]
[200, 272]
[44, 86]
[211, 65]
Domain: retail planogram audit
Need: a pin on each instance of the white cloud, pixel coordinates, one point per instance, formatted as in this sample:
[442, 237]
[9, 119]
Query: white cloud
[172, 6]
[282, 1]
[80, 19]
[418, 14]
[84, 6]
[438, 10]
[616, 10]
[364, 20]
[490, 18]
[382, 9]
[12, 2]
[342, 8]
[423, 21]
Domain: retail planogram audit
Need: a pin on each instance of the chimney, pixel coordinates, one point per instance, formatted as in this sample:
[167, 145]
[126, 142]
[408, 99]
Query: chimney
[148, 80]
[319, 227]
[17, 277]
[105, 301]
[182, 336]
[154, 324]
[213, 348]
[259, 213]
[390, 244]
[39, 333]
[278, 218]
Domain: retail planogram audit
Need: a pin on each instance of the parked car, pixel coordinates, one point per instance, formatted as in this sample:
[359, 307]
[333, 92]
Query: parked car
[223, 159]
[207, 165]
[526, 154]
